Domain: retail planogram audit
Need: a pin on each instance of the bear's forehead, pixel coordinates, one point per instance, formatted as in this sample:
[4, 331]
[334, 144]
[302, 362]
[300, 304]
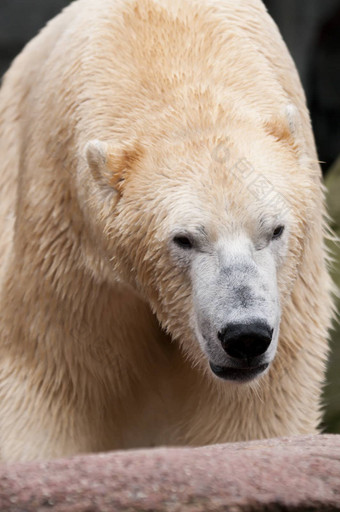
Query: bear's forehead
[217, 209]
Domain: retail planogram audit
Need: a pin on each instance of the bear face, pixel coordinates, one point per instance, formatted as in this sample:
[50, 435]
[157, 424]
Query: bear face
[200, 231]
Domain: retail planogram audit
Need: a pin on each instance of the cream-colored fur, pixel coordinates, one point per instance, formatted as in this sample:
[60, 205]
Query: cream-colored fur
[113, 121]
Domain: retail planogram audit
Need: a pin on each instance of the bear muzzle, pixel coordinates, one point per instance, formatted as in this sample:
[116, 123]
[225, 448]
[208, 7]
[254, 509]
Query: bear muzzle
[246, 345]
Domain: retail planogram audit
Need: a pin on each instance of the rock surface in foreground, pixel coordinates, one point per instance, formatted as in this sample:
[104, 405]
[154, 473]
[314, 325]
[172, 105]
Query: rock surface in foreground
[295, 474]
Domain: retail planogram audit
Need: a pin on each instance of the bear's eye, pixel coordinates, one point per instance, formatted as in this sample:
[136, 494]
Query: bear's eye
[183, 242]
[277, 233]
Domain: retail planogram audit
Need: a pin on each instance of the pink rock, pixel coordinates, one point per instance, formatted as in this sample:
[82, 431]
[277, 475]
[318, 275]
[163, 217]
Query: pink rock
[297, 473]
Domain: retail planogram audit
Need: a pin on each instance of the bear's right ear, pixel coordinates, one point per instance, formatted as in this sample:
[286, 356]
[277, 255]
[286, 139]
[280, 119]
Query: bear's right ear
[111, 163]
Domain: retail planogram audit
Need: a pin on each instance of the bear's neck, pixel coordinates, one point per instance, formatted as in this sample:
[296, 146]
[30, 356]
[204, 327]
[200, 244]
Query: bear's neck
[75, 319]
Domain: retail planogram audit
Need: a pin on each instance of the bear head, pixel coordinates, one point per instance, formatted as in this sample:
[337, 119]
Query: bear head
[208, 226]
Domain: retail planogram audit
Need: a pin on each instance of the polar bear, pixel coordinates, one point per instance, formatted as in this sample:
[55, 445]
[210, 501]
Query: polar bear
[163, 271]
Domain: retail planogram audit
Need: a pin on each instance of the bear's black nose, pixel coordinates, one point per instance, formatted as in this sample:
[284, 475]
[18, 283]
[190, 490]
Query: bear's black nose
[246, 341]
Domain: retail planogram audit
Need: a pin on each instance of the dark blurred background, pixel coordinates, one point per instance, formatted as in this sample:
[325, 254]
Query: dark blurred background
[311, 29]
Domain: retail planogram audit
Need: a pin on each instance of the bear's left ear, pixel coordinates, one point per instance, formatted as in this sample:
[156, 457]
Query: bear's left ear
[287, 127]
[111, 163]
[294, 119]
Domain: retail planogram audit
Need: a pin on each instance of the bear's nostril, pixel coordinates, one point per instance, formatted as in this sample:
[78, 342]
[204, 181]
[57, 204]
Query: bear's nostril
[246, 341]
[247, 347]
